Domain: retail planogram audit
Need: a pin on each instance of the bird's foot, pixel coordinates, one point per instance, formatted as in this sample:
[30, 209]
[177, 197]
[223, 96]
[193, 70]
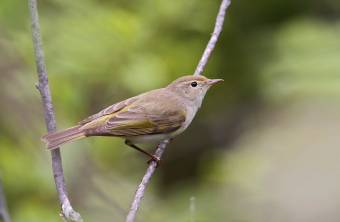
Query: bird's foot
[158, 160]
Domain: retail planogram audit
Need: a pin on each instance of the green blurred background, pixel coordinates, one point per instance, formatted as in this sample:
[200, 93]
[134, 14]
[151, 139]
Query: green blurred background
[263, 147]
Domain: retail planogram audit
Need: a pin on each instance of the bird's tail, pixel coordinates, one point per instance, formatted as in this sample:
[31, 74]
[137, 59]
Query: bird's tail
[60, 138]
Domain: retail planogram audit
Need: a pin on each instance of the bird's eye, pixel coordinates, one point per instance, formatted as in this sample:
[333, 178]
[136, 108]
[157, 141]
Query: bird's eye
[194, 84]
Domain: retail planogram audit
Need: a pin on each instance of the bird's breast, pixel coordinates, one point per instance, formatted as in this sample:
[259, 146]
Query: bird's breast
[191, 112]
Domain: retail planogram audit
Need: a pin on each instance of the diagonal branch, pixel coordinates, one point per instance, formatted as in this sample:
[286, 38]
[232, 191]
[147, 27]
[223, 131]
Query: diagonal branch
[217, 31]
[142, 186]
[161, 147]
[49, 115]
[4, 216]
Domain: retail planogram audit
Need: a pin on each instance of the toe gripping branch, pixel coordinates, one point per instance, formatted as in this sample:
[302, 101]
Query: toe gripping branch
[158, 160]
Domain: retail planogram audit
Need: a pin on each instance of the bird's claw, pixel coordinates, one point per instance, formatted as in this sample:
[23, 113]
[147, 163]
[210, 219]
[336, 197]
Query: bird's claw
[158, 160]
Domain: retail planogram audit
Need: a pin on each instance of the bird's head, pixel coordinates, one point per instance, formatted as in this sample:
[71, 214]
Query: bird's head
[192, 88]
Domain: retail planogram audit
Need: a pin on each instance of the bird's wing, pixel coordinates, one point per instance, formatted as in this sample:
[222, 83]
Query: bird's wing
[144, 118]
[111, 109]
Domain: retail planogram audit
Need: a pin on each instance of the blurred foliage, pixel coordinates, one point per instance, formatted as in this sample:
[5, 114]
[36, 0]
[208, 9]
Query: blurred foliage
[264, 146]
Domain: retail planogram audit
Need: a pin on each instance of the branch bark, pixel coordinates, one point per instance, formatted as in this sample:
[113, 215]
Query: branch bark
[142, 186]
[161, 147]
[214, 37]
[4, 215]
[44, 89]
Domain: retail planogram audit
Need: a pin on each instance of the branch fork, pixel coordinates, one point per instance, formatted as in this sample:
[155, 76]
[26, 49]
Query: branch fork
[44, 89]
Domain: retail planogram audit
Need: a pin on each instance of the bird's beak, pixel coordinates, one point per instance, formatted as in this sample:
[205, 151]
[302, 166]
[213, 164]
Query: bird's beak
[213, 81]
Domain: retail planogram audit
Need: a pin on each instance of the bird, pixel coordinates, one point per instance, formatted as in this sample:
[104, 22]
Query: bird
[150, 117]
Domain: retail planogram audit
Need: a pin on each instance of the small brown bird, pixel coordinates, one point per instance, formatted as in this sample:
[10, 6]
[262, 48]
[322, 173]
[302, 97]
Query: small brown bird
[153, 116]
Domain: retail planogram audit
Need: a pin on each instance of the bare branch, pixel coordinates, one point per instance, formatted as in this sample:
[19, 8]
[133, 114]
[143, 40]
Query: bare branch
[192, 209]
[211, 45]
[161, 147]
[49, 115]
[142, 186]
[4, 215]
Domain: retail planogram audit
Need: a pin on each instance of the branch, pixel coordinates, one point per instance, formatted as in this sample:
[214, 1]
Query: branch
[217, 31]
[49, 115]
[4, 216]
[161, 147]
[142, 186]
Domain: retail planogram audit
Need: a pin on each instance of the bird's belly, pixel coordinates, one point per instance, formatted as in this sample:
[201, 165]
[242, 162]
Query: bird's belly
[154, 138]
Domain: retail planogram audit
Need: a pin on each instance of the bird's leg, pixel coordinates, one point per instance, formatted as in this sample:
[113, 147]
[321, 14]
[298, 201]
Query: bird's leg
[149, 161]
[153, 157]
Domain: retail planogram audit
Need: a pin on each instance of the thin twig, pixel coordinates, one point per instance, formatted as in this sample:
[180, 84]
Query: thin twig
[217, 31]
[145, 181]
[4, 215]
[160, 149]
[192, 209]
[49, 115]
